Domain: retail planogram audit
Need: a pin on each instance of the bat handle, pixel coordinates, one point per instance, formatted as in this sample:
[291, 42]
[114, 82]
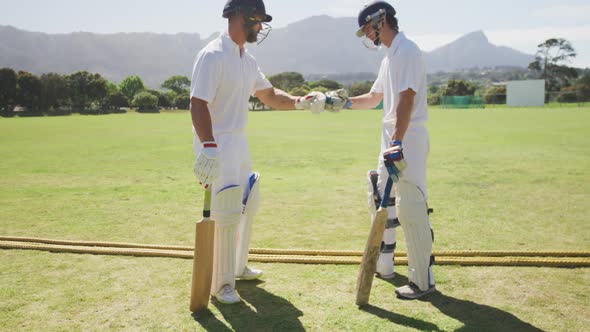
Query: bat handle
[387, 192]
[207, 205]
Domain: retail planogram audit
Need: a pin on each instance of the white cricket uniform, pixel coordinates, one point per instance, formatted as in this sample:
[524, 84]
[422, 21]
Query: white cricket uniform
[403, 68]
[225, 77]
[226, 80]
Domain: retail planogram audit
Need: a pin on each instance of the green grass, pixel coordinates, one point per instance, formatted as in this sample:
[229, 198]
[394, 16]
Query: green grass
[506, 178]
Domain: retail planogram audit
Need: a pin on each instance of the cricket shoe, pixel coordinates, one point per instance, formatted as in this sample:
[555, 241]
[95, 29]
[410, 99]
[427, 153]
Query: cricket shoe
[250, 274]
[227, 295]
[385, 267]
[412, 292]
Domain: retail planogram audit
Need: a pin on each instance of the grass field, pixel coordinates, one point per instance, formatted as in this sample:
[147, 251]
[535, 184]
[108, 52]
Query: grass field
[509, 178]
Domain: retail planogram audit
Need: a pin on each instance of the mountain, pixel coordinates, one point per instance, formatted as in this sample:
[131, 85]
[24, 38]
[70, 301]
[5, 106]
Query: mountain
[319, 45]
[474, 50]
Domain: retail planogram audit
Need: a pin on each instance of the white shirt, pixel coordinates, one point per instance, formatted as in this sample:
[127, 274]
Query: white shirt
[226, 80]
[402, 68]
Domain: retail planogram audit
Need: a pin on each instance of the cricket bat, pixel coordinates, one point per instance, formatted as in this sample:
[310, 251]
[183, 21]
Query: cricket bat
[371, 255]
[203, 258]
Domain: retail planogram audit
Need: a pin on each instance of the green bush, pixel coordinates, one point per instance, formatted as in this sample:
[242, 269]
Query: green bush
[146, 102]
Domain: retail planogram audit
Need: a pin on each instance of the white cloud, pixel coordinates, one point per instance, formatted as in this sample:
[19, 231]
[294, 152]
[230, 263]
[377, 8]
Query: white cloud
[581, 11]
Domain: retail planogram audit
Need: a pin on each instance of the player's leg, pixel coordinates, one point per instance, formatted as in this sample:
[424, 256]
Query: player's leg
[226, 208]
[385, 263]
[250, 205]
[412, 209]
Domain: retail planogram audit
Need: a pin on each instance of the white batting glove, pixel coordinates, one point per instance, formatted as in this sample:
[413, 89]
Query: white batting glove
[394, 160]
[314, 101]
[337, 100]
[206, 167]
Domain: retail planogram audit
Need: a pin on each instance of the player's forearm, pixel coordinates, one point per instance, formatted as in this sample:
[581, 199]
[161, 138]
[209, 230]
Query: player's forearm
[367, 101]
[281, 100]
[201, 120]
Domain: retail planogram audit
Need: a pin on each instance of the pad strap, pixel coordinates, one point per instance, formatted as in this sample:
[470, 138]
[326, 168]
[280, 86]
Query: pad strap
[387, 248]
[392, 223]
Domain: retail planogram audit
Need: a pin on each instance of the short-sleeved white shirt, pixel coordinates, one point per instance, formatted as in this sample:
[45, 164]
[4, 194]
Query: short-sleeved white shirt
[402, 68]
[226, 80]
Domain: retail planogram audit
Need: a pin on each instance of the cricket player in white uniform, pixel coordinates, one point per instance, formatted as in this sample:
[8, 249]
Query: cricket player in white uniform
[224, 77]
[401, 84]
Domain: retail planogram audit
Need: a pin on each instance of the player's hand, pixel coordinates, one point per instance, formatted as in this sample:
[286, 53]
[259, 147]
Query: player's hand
[206, 167]
[314, 101]
[394, 161]
[337, 100]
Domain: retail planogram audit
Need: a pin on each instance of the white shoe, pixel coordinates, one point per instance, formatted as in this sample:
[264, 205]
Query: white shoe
[227, 295]
[250, 274]
[385, 267]
[412, 292]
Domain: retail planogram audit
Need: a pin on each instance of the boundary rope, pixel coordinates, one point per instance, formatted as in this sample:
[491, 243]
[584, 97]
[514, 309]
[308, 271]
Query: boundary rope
[456, 257]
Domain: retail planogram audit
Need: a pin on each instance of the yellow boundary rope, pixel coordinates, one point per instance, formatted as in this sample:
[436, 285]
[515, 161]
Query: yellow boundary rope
[466, 258]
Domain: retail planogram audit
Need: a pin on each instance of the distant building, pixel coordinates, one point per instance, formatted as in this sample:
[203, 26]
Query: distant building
[525, 93]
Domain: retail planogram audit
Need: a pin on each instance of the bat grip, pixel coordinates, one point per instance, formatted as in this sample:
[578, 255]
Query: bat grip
[207, 204]
[387, 192]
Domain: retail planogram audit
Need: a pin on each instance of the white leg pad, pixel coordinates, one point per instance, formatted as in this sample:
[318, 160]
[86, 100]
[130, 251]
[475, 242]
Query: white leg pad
[226, 208]
[224, 257]
[252, 204]
[413, 216]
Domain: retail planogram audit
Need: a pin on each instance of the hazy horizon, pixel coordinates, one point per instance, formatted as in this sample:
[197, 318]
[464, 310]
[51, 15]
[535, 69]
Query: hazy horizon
[521, 25]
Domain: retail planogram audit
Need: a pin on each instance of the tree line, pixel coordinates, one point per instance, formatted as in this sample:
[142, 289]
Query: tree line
[85, 93]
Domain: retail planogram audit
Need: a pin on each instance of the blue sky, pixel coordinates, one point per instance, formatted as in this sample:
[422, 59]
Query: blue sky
[520, 24]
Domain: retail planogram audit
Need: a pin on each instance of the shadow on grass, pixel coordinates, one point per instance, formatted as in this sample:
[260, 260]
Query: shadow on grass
[474, 316]
[262, 311]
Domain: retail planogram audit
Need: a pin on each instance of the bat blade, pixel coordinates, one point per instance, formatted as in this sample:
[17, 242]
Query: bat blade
[202, 265]
[370, 256]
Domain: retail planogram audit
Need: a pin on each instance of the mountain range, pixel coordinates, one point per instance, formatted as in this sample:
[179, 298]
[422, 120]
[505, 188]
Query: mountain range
[313, 46]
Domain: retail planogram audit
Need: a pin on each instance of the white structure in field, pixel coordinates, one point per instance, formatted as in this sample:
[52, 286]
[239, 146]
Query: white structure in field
[525, 93]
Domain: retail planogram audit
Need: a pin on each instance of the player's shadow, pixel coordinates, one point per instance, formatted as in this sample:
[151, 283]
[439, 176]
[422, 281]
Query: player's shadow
[259, 311]
[474, 316]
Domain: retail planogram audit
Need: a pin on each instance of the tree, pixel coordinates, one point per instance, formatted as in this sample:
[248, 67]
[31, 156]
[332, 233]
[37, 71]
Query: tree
[178, 84]
[28, 91]
[360, 88]
[54, 93]
[182, 101]
[146, 102]
[459, 88]
[116, 100]
[130, 86]
[550, 62]
[287, 81]
[86, 88]
[8, 83]
[583, 88]
[496, 94]
[328, 84]
[299, 91]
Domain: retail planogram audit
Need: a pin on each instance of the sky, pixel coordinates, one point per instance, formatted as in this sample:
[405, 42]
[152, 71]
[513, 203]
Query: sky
[520, 24]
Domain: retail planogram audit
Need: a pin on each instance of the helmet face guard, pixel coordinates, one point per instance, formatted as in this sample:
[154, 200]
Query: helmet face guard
[374, 20]
[250, 24]
[374, 14]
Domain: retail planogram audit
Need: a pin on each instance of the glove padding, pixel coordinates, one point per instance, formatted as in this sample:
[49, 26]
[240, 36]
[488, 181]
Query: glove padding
[336, 100]
[394, 162]
[314, 101]
[206, 167]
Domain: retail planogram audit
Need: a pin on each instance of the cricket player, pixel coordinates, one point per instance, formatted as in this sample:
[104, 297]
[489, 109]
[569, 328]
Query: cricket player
[224, 77]
[401, 84]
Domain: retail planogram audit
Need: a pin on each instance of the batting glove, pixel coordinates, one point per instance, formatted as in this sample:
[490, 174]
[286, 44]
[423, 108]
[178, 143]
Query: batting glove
[206, 167]
[337, 100]
[314, 101]
[394, 161]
